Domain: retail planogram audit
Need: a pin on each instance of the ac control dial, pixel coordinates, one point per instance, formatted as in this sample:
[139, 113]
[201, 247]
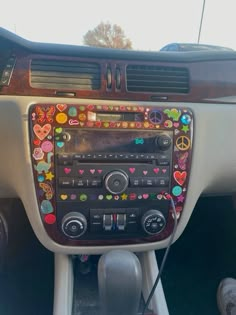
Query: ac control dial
[153, 222]
[116, 182]
[74, 224]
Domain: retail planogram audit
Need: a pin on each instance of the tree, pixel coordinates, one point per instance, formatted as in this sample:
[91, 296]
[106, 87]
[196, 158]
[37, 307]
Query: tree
[107, 35]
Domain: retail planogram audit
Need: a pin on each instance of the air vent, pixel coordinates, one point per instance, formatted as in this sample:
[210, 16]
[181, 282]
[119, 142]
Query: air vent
[157, 79]
[71, 75]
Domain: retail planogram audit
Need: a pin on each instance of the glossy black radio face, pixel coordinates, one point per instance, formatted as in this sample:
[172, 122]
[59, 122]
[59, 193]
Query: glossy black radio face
[113, 141]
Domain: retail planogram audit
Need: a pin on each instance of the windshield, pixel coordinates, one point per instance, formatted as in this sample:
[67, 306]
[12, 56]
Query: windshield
[146, 25]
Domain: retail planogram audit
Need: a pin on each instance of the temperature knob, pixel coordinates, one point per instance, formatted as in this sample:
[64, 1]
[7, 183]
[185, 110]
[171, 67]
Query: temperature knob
[116, 182]
[74, 224]
[153, 222]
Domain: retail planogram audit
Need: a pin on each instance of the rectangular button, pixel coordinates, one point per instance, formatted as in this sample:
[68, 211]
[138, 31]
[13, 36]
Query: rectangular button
[149, 182]
[64, 159]
[121, 222]
[136, 182]
[94, 183]
[81, 183]
[96, 226]
[66, 182]
[162, 182]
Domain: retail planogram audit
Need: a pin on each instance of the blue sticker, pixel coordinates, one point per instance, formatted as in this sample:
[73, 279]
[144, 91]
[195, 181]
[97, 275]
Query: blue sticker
[72, 112]
[46, 207]
[186, 119]
[60, 144]
[177, 191]
[40, 178]
[139, 141]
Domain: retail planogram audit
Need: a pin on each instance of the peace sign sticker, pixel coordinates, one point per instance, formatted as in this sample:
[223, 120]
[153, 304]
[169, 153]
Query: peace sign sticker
[183, 143]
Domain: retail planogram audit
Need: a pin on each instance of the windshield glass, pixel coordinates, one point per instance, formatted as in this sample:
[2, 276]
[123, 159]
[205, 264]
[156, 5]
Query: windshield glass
[144, 25]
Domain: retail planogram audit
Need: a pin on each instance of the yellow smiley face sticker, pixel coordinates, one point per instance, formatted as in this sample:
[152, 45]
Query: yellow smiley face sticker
[61, 118]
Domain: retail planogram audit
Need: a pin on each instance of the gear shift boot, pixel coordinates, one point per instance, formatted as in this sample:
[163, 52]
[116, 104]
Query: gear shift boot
[120, 283]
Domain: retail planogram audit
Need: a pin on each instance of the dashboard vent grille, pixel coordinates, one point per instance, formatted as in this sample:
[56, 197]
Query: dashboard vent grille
[157, 79]
[72, 75]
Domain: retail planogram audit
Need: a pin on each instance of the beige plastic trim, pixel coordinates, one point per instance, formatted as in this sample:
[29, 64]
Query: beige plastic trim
[150, 271]
[63, 285]
[213, 165]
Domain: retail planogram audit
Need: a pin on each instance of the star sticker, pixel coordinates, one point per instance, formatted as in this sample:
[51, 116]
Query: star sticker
[124, 197]
[180, 198]
[49, 176]
[185, 129]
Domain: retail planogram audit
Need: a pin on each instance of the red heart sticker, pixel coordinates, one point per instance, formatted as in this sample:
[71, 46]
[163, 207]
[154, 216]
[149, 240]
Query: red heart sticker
[180, 177]
[61, 107]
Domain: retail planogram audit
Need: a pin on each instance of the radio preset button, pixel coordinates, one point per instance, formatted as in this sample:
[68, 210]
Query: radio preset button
[135, 182]
[66, 182]
[64, 159]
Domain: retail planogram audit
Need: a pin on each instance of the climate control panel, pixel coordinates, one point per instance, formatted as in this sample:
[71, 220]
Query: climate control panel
[102, 171]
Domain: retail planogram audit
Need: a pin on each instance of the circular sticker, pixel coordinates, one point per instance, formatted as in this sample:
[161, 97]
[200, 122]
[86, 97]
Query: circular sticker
[47, 146]
[72, 112]
[177, 191]
[61, 118]
[82, 117]
[186, 119]
[183, 143]
[168, 124]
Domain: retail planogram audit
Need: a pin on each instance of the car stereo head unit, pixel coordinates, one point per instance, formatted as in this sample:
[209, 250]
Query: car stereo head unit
[101, 171]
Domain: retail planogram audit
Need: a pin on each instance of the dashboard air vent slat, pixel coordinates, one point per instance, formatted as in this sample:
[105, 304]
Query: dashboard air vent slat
[56, 74]
[157, 79]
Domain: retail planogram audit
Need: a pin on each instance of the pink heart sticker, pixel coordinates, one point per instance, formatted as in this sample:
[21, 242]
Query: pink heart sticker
[132, 170]
[67, 170]
[99, 171]
[81, 172]
[156, 170]
[145, 172]
[164, 170]
[42, 132]
[92, 171]
[145, 196]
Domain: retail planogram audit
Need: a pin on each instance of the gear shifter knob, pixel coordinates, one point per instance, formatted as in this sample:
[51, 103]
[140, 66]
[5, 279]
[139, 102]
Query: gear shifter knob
[120, 283]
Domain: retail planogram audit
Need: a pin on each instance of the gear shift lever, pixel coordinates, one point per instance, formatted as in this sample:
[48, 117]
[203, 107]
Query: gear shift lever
[120, 283]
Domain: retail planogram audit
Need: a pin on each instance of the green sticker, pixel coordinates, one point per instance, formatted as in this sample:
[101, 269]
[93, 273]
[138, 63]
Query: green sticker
[177, 191]
[72, 112]
[46, 207]
[83, 197]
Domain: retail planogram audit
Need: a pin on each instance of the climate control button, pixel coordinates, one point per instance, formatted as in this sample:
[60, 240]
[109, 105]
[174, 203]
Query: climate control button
[153, 222]
[74, 224]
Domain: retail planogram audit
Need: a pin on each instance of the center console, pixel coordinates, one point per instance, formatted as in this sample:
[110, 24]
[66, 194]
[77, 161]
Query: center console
[102, 172]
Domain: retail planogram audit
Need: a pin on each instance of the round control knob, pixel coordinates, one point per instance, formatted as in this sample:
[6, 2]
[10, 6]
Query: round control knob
[116, 182]
[153, 222]
[74, 224]
[163, 142]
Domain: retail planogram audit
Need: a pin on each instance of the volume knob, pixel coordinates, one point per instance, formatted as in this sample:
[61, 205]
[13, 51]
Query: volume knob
[153, 222]
[116, 182]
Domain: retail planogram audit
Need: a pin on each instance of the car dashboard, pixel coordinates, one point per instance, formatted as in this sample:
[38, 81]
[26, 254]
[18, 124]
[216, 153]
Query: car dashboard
[95, 141]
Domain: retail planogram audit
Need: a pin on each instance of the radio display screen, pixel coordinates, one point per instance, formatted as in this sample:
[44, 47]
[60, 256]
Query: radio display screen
[113, 141]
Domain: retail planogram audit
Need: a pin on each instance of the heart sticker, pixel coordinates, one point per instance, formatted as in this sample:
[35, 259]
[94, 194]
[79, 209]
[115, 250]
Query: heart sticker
[81, 172]
[145, 196]
[156, 170]
[145, 172]
[42, 132]
[180, 177]
[60, 144]
[99, 171]
[64, 197]
[132, 170]
[92, 171]
[61, 107]
[67, 170]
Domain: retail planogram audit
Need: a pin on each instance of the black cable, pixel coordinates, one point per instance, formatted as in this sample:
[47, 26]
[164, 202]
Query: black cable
[165, 255]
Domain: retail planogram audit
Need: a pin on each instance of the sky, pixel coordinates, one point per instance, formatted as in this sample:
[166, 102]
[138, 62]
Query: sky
[150, 24]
